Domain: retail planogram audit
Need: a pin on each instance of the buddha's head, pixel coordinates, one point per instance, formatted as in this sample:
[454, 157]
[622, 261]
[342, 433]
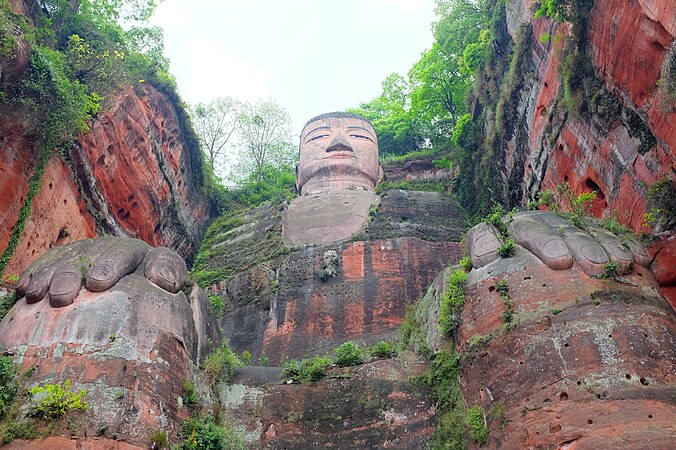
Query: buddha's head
[338, 150]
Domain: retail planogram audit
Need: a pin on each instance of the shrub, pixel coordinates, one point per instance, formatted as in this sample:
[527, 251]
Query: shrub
[17, 430]
[313, 369]
[158, 439]
[383, 349]
[452, 301]
[221, 364]
[217, 304]
[8, 387]
[203, 433]
[477, 424]
[55, 401]
[348, 354]
[466, 263]
[263, 360]
[507, 249]
[246, 358]
[6, 303]
[190, 396]
[662, 201]
[610, 270]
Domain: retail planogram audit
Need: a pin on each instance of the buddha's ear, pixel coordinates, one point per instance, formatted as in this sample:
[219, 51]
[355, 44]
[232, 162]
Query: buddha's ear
[381, 174]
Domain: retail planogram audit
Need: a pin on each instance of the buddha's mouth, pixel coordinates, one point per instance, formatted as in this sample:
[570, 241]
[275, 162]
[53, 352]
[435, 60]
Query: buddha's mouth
[340, 155]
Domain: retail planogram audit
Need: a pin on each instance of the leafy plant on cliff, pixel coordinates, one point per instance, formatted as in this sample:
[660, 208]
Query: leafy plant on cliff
[8, 387]
[662, 203]
[476, 421]
[306, 370]
[442, 378]
[452, 301]
[348, 354]
[6, 303]
[54, 401]
[205, 433]
[576, 208]
[221, 364]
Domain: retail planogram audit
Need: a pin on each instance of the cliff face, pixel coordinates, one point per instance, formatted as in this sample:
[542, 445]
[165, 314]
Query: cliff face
[622, 137]
[133, 174]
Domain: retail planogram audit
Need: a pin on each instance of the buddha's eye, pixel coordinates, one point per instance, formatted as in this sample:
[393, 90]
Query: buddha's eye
[360, 136]
[317, 137]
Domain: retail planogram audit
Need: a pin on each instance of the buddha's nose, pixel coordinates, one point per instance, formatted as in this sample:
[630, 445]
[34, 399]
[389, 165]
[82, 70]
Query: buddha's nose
[339, 143]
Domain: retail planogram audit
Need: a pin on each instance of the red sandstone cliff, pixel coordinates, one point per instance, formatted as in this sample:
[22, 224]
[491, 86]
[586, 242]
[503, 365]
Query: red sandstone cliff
[615, 149]
[133, 174]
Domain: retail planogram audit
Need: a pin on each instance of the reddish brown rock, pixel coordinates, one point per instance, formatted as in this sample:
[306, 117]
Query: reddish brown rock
[663, 255]
[68, 443]
[130, 346]
[609, 147]
[374, 405]
[589, 363]
[134, 171]
[59, 217]
[308, 301]
[137, 143]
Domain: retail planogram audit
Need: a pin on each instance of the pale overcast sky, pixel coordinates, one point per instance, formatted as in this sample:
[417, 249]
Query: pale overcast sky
[311, 56]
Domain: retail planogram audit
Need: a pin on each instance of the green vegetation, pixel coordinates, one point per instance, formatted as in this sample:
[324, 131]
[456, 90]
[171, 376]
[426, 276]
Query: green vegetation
[306, 370]
[24, 212]
[428, 186]
[54, 401]
[466, 263]
[662, 203]
[452, 301]
[610, 270]
[348, 354]
[421, 111]
[476, 421]
[6, 303]
[204, 433]
[576, 208]
[263, 360]
[507, 249]
[216, 304]
[383, 349]
[219, 259]
[80, 56]
[8, 387]
[611, 224]
[189, 396]
[246, 357]
[442, 378]
[221, 364]
[508, 313]
[158, 439]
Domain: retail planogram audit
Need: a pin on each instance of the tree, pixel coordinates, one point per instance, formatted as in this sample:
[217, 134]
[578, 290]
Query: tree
[389, 113]
[215, 123]
[264, 134]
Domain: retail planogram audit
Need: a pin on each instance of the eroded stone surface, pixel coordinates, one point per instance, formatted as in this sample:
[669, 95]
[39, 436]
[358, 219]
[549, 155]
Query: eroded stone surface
[575, 357]
[327, 217]
[130, 345]
[374, 405]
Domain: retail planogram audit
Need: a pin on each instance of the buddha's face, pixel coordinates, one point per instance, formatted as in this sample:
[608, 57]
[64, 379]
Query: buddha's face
[338, 153]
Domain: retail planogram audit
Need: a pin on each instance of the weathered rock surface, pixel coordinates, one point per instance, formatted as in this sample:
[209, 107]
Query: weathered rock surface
[374, 405]
[133, 174]
[130, 346]
[625, 139]
[663, 257]
[576, 361]
[327, 217]
[308, 301]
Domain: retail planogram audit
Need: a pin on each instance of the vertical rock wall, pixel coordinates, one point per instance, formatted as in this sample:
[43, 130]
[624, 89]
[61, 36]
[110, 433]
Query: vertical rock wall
[625, 139]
